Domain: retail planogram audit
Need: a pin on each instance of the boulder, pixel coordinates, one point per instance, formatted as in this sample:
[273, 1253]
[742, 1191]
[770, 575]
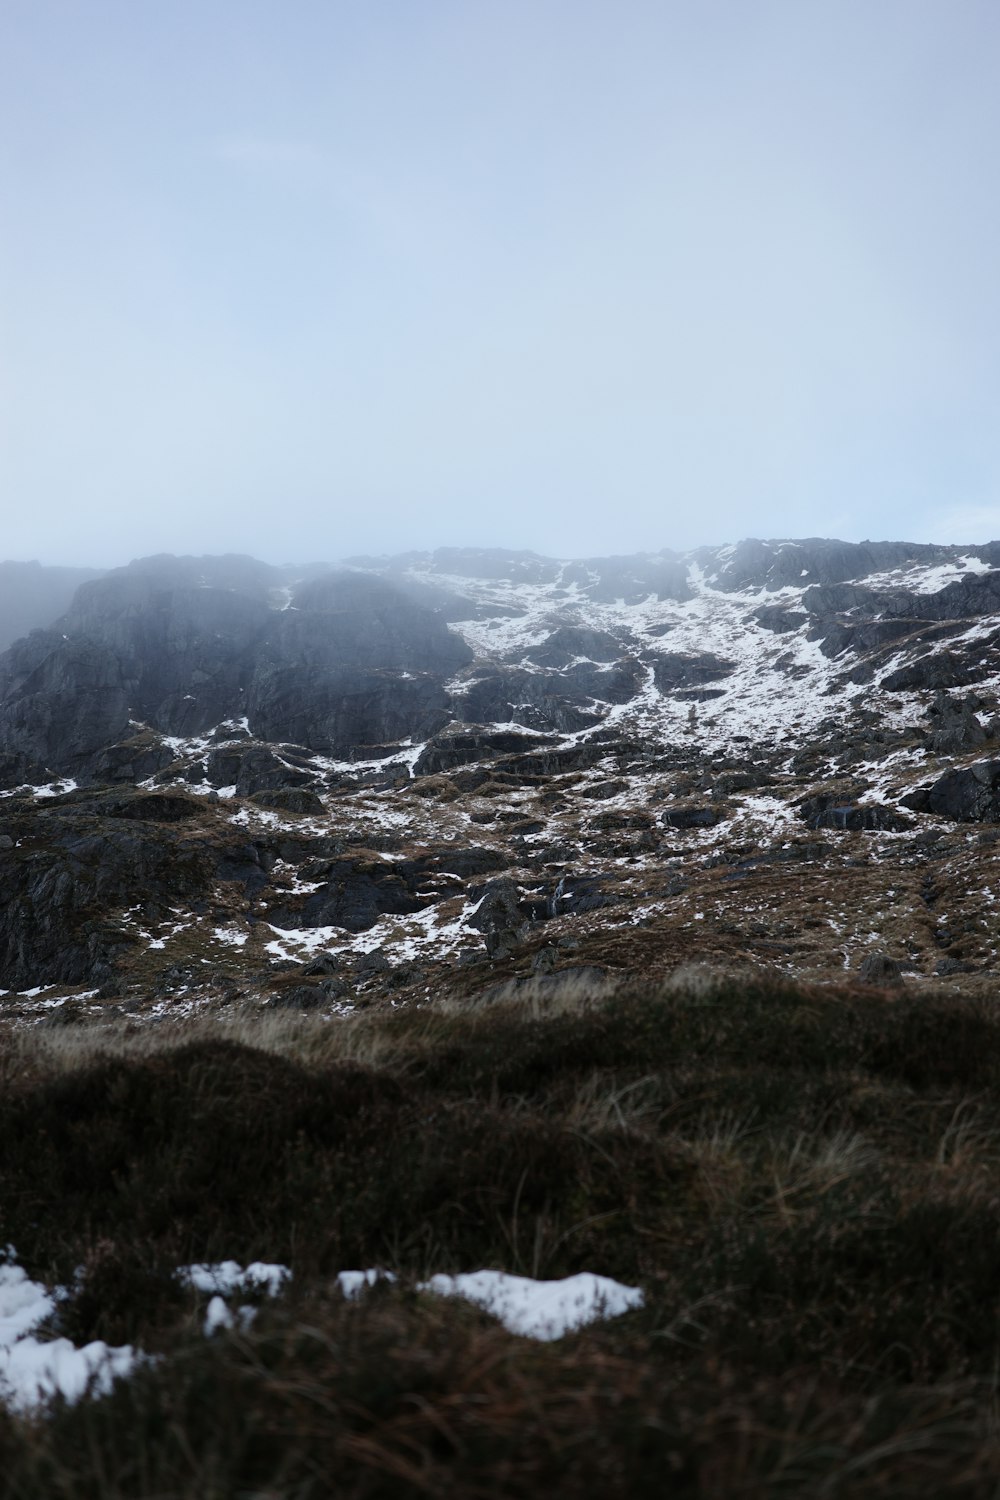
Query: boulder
[499, 918]
[955, 729]
[969, 794]
[779, 619]
[879, 968]
[837, 810]
[694, 815]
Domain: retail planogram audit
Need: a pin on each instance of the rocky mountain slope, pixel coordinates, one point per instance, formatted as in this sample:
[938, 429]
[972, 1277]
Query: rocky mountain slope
[435, 773]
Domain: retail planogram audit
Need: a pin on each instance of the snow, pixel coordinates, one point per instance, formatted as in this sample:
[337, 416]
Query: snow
[540, 1309]
[224, 1279]
[434, 932]
[230, 935]
[353, 1283]
[56, 789]
[533, 1309]
[219, 1314]
[930, 579]
[298, 942]
[228, 1276]
[759, 700]
[543, 1310]
[33, 1370]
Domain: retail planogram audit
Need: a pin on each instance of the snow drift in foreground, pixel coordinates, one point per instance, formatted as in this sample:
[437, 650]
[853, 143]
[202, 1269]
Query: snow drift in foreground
[533, 1309]
[34, 1370]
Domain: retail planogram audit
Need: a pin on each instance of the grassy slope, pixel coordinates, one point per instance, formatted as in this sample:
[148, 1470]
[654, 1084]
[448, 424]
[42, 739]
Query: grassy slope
[804, 1183]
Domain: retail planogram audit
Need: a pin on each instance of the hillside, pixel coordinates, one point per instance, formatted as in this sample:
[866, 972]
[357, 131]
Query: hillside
[433, 773]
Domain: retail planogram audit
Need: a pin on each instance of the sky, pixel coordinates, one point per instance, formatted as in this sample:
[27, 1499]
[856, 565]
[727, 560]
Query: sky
[304, 278]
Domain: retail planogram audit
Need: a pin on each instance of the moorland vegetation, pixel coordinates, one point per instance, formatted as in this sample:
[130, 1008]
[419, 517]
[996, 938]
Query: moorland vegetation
[803, 1182]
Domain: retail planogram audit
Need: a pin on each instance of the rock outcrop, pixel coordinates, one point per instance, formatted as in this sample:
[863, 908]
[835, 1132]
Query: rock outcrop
[179, 644]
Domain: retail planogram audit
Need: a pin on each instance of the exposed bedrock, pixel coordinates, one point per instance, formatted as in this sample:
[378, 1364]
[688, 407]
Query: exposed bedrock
[673, 671]
[538, 700]
[180, 644]
[448, 751]
[71, 873]
[569, 642]
[340, 710]
[354, 891]
[969, 794]
[965, 598]
[820, 561]
[846, 812]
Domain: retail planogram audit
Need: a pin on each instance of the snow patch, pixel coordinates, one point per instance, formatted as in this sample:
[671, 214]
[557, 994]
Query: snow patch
[32, 1369]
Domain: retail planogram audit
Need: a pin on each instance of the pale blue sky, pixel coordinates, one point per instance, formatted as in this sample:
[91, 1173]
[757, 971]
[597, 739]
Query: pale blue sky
[305, 277]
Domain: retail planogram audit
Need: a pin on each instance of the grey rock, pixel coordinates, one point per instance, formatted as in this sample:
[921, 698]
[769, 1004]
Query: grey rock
[691, 816]
[68, 1013]
[946, 967]
[838, 810]
[879, 968]
[499, 917]
[182, 644]
[567, 643]
[969, 794]
[324, 964]
[290, 799]
[356, 892]
[956, 729]
[674, 671]
[445, 752]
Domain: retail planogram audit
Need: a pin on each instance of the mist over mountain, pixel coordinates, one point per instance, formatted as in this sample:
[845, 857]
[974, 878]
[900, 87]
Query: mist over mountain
[32, 596]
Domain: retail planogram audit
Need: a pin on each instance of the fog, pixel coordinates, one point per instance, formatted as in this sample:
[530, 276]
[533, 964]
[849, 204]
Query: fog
[318, 278]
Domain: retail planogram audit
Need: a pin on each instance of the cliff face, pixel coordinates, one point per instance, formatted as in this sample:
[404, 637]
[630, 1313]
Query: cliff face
[180, 645]
[438, 771]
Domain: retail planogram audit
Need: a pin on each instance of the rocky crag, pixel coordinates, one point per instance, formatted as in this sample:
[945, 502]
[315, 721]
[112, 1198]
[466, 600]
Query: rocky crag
[223, 782]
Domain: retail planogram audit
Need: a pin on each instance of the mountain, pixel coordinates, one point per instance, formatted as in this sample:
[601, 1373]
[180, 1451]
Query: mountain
[441, 772]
